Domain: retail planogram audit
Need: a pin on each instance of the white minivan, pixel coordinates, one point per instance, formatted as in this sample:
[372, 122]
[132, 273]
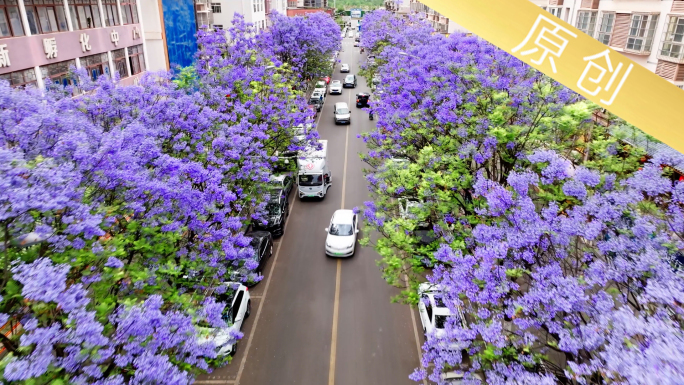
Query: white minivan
[342, 113]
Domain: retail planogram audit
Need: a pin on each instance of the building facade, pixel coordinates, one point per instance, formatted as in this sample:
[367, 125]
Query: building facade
[41, 39]
[254, 11]
[649, 32]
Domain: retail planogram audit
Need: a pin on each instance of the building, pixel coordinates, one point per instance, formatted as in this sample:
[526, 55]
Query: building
[254, 11]
[41, 39]
[649, 32]
[303, 7]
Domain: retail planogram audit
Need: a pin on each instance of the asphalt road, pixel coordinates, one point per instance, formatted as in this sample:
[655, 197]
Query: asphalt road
[318, 320]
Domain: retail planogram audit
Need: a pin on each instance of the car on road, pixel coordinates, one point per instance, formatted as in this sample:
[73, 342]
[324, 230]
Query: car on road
[336, 87]
[356, 44]
[238, 308]
[350, 35]
[261, 243]
[283, 182]
[342, 114]
[344, 68]
[342, 232]
[277, 210]
[317, 99]
[349, 81]
[321, 86]
[434, 314]
[362, 99]
[300, 132]
[358, 37]
[326, 79]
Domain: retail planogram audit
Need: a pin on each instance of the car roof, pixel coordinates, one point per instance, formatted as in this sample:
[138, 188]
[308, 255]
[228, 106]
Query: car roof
[277, 178]
[343, 216]
[337, 81]
[350, 75]
[341, 104]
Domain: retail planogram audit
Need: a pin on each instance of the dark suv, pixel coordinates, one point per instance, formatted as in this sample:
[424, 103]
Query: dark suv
[349, 81]
[262, 243]
[277, 209]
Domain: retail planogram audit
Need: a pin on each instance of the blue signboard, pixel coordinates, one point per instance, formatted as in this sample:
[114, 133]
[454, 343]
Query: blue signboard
[355, 13]
[179, 26]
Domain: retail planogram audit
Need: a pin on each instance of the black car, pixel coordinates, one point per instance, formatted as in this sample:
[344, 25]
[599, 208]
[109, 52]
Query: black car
[349, 81]
[277, 209]
[362, 99]
[262, 244]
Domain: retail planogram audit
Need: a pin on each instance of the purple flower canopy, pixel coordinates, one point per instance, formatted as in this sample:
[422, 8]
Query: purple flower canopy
[564, 270]
[122, 209]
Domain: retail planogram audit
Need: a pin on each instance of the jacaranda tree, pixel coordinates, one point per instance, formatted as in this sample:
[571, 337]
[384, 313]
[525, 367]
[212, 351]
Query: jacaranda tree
[121, 214]
[492, 182]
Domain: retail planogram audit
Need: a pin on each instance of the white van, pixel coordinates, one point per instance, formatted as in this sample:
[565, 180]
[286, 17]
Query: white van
[314, 177]
[342, 113]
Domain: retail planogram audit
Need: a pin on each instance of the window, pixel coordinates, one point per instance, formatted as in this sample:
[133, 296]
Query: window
[129, 10]
[119, 57]
[606, 28]
[111, 12]
[216, 7]
[85, 14]
[641, 32]
[20, 79]
[58, 73]
[311, 180]
[555, 11]
[218, 27]
[96, 65]
[586, 22]
[673, 42]
[136, 59]
[10, 19]
[236, 305]
[45, 16]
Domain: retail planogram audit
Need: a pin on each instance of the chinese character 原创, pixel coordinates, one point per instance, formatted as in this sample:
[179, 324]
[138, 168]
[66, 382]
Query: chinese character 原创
[115, 38]
[545, 38]
[594, 76]
[4, 56]
[50, 47]
[85, 42]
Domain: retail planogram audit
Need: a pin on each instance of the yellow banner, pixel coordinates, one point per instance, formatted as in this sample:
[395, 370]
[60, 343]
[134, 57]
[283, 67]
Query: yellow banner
[576, 60]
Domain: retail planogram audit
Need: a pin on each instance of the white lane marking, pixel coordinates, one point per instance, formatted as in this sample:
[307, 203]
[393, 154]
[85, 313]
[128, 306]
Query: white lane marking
[263, 299]
[336, 305]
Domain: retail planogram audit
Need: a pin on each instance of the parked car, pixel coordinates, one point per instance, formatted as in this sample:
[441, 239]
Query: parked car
[350, 35]
[317, 98]
[321, 86]
[283, 182]
[326, 79]
[362, 99]
[277, 210]
[341, 239]
[238, 308]
[356, 44]
[349, 81]
[376, 80]
[262, 245]
[336, 87]
[344, 68]
[434, 314]
[341, 113]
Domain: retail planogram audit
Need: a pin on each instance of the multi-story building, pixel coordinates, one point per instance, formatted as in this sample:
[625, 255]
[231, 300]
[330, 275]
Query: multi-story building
[254, 12]
[42, 39]
[649, 32]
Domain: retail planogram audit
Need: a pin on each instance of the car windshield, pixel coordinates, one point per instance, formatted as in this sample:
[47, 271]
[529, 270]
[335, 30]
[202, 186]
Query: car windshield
[320, 84]
[349, 78]
[311, 180]
[340, 229]
[342, 110]
[440, 321]
[336, 82]
[273, 208]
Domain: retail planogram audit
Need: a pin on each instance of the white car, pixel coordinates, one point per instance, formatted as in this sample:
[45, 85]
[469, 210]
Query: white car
[336, 87]
[433, 311]
[351, 34]
[238, 307]
[301, 131]
[321, 86]
[344, 68]
[341, 239]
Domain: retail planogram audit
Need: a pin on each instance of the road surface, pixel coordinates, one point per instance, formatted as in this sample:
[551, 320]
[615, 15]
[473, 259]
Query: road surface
[318, 320]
